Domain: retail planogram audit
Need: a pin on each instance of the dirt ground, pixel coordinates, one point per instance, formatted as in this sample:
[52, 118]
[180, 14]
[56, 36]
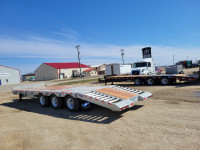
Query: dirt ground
[168, 121]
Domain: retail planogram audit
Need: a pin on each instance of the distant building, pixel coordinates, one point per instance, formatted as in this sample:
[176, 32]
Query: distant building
[9, 75]
[28, 77]
[50, 71]
[90, 72]
[100, 68]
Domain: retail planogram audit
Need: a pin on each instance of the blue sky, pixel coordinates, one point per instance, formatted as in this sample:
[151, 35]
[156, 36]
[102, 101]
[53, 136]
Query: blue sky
[33, 32]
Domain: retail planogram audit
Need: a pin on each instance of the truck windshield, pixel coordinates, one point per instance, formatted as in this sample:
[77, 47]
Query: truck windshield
[142, 64]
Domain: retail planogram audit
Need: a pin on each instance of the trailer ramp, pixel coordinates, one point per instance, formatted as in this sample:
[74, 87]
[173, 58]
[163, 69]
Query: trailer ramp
[116, 98]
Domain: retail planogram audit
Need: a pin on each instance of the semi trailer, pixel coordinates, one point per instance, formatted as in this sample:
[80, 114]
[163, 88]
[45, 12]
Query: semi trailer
[151, 79]
[115, 98]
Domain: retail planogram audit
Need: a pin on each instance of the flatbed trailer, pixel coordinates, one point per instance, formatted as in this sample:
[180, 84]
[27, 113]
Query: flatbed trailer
[116, 98]
[150, 79]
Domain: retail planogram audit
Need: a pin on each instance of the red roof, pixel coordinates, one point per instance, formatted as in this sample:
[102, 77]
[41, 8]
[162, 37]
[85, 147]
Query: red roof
[88, 70]
[66, 65]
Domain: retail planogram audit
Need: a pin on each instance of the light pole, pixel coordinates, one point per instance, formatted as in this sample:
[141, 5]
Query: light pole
[79, 59]
[122, 50]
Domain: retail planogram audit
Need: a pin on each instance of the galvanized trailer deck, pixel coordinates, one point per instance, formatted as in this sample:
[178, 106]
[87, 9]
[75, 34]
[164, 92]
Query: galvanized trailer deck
[113, 97]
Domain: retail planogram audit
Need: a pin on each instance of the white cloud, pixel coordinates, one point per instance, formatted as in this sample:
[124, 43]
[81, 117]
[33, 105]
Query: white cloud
[68, 33]
[37, 47]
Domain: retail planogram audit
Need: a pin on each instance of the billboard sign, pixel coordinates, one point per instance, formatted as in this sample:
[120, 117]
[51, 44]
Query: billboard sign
[146, 52]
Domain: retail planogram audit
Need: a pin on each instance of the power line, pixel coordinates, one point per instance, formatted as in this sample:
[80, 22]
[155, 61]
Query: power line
[122, 50]
[79, 58]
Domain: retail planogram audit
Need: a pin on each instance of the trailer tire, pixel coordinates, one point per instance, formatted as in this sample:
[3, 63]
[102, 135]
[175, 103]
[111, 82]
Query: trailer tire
[44, 100]
[138, 81]
[72, 104]
[56, 102]
[150, 81]
[165, 81]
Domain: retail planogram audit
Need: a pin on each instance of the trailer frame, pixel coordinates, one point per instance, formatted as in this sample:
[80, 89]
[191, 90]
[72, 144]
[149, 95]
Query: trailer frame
[113, 97]
[162, 79]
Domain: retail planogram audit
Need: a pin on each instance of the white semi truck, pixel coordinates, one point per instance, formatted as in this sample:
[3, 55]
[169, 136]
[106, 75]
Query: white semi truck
[145, 67]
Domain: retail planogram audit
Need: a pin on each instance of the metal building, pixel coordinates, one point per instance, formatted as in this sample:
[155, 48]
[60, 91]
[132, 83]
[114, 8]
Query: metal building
[50, 71]
[28, 77]
[9, 75]
[90, 72]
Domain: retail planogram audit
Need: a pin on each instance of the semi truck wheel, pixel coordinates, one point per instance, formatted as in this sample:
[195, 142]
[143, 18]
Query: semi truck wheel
[56, 102]
[72, 104]
[150, 81]
[138, 81]
[165, 81]
[44, 100]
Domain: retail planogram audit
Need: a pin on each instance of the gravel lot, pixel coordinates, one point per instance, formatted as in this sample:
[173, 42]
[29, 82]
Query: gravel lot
[169, 120]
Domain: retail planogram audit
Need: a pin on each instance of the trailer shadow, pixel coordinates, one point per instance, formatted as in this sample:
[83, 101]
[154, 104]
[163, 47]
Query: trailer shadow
[96, 114]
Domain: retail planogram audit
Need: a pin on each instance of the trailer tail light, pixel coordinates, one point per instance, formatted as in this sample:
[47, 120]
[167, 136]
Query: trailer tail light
[150, 96]
[124, 107]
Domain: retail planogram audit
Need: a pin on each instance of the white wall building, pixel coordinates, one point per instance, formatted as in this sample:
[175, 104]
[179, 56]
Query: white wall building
[50, 71]
[100, 68]
[9, 75]
[90, 72]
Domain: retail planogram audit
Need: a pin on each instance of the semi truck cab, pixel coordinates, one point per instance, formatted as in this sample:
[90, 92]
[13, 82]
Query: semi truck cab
[145, 67]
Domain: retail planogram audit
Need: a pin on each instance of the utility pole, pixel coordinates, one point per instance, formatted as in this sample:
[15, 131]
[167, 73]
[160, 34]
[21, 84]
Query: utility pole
[122, 50]
[79, 59]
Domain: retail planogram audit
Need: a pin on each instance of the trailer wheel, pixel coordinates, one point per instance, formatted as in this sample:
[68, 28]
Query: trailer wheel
[44, 100]
[56, 102]
[150, 81]
[72, 104]
[138, 81]
[165, 81]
